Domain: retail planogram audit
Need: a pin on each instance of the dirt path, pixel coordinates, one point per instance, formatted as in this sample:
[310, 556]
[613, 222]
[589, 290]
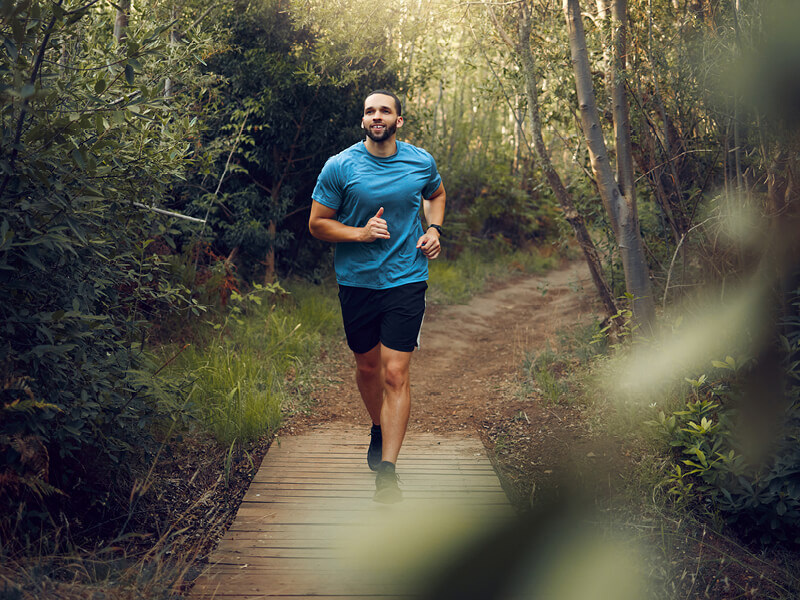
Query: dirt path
[465, 376]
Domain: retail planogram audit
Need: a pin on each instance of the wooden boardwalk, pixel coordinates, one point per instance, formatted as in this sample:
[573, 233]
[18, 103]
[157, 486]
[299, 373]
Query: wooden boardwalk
[308, 526]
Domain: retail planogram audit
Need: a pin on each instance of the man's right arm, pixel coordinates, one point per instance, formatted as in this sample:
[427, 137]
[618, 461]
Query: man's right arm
[323, 225]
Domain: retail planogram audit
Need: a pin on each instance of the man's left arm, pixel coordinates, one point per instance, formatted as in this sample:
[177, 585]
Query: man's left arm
[433, 208]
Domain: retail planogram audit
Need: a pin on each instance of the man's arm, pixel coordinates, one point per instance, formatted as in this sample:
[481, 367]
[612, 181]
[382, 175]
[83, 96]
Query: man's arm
[323, 225]
[433, 208]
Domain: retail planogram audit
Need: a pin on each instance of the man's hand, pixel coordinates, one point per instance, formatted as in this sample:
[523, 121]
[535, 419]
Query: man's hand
[376, 228]
[429, 243]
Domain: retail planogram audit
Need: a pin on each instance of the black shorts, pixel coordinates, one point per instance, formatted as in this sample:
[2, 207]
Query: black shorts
[392, 316]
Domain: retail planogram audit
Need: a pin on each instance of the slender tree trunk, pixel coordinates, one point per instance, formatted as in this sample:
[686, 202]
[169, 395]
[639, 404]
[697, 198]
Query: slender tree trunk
[174, 39]
[573, 217]
[269, 259]
[608, 57]
[121, 20]
[621, 209]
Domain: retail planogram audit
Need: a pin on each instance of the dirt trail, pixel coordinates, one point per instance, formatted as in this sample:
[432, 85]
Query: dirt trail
[471, 354]
[465, 375]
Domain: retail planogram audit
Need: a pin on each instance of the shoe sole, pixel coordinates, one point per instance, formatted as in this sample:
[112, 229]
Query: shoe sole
[388, 495]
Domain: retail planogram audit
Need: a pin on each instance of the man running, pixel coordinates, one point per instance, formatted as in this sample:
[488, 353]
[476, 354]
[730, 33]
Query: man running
[367, 201]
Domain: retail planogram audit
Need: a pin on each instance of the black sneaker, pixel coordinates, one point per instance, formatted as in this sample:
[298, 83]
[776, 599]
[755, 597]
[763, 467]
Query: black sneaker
[387, 490]
[375, 450]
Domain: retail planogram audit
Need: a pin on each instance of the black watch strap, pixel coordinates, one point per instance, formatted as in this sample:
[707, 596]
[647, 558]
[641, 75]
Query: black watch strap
[437, 228]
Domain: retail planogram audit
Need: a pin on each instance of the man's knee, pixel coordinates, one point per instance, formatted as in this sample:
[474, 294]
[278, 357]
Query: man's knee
[368, 370]
[396, 375]
[369, 364]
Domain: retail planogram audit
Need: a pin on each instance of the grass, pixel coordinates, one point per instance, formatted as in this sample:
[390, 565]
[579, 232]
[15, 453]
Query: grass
[244, 377]
[456, 280]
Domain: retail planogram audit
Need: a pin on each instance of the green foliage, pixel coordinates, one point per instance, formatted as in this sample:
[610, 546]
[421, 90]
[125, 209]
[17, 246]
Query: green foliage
[84, 133]
[281, 119]
[617, 329]
[716, 471]
[540, 371]
[244, 378]
[498, 207]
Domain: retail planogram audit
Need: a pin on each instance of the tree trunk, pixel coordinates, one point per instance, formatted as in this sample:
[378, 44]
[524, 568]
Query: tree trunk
[608, 57]
[174, 39]
[121, 20]
[553, 179]
[269, 259]
[621, 209]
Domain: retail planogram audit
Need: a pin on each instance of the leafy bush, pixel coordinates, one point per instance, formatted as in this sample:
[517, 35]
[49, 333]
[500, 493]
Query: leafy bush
[85, 134]
[759, 498]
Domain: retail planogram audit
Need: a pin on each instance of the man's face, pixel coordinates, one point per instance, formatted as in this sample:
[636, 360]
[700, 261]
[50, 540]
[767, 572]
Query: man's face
[380, 117]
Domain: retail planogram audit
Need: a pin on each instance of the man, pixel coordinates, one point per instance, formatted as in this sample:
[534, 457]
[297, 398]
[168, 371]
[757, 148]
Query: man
[367, 201]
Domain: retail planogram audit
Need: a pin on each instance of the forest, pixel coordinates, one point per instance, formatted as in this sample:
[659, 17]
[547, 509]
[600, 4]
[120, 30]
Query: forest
[160, 288]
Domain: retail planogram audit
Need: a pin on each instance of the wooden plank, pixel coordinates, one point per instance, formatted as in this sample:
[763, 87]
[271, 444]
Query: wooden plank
[313, 494]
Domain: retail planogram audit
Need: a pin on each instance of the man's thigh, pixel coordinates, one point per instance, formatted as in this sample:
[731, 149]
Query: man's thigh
[361, 317]
[403, 309]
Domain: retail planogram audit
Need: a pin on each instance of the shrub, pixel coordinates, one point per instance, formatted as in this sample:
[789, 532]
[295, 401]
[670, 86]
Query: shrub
[760, 498]
[86, 134]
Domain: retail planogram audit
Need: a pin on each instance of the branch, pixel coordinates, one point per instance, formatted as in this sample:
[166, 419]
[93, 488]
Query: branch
[225, 170]
[500, 28]
[24, 110]
[202, 16]
[75, 11]
[674, 256]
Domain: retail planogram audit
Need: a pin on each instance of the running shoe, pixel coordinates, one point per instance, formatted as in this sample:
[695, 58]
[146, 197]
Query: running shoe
[375, 450]
[387, 488]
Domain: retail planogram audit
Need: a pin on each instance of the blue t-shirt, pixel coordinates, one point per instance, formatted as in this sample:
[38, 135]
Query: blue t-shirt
[356, 184]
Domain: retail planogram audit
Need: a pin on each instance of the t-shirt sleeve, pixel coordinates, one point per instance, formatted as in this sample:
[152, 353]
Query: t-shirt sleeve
[328, 190]
[434, 180]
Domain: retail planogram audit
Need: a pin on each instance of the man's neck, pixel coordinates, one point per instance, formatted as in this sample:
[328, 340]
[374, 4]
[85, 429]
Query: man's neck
[381, 149]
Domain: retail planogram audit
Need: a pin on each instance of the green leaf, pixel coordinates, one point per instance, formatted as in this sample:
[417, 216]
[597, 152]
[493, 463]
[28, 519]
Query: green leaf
[27, 90]
[17, 30]
[129, 73]
[11, 48]
[100, 86]
[79, 158]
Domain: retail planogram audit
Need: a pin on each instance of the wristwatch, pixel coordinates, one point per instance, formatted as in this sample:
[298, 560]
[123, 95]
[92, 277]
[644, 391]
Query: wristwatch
[437, 228]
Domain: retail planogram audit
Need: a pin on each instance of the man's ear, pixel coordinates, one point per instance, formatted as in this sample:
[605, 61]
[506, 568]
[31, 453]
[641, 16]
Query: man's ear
[362, 124]
[399, 121]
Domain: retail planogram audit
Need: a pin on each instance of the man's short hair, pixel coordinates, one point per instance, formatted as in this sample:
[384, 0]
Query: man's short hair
[388, 93]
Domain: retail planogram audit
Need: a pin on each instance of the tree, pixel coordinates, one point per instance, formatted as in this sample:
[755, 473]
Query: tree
[523, 50]
[620, 204]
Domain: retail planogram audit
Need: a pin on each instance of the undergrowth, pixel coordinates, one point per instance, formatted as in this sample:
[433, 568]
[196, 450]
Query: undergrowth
[706, 479]
[244, 369]
[258, 359]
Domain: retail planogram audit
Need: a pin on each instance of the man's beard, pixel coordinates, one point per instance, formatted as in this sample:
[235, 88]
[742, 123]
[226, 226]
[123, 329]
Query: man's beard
[388, 131]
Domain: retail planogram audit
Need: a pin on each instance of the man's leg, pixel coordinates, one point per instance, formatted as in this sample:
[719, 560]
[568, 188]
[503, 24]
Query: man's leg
[369, 378]
[396, 407]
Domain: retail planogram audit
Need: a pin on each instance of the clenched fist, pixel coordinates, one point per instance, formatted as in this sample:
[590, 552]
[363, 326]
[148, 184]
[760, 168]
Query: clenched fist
[376, 228]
